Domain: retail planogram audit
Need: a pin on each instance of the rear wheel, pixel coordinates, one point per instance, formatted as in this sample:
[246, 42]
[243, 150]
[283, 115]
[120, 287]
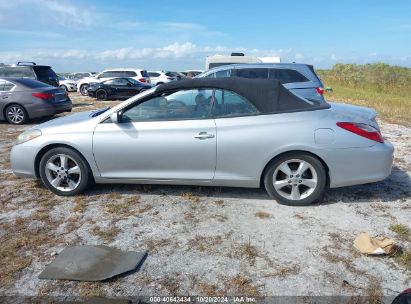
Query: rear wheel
[101, 94]
[83, 89]
[65, 172]
[16, 114]
[295, 179]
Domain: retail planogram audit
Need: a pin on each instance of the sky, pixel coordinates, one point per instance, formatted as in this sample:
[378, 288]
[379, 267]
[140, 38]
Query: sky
[75, 35]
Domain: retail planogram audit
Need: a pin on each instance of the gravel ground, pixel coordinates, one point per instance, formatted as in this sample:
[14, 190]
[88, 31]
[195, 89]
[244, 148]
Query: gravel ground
[208, 241]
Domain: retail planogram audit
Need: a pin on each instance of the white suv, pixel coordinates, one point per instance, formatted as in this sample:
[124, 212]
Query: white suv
[160, 77]
[137, 74]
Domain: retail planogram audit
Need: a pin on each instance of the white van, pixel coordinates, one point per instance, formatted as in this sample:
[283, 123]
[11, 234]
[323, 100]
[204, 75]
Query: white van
[218, 60]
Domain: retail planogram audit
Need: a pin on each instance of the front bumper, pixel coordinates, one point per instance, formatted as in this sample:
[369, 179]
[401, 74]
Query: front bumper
[48, 108]
[354, 166]
[71, 87]
[22, 159]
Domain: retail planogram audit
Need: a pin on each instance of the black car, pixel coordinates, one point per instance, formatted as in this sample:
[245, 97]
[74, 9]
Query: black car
[31, 70]
[120, 88]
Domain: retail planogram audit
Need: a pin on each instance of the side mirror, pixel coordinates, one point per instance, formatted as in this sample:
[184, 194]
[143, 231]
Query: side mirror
[114, 118]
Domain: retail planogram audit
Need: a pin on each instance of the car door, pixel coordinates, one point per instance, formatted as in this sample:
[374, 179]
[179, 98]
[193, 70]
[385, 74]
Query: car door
[167, 137]
[6, 92]
[120, 87]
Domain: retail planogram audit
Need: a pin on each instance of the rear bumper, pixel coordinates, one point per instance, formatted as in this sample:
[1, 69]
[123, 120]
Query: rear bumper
[355, 166]
[48, 109]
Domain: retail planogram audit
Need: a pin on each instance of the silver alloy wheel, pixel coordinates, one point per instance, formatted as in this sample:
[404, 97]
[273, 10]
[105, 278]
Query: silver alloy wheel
[83, 89]
[63, 172]
[15, 114]
[295, 179]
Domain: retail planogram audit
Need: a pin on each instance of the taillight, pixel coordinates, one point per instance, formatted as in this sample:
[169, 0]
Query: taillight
[363, 130]
[44, 96]
[320, 90]
[142, 80]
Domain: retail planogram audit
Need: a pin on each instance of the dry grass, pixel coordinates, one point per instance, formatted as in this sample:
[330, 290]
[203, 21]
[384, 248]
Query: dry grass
[106, 234]
[80, 204]
[374, 291]
[154, 246]
[404, 258]
[262, 214]
[91, 289]
[285, 271]
[190, 197]
[240, 285]
[402, 231]
[247, 251]
[171, 284]
[204, 243]
[207, 289]
[345, 261]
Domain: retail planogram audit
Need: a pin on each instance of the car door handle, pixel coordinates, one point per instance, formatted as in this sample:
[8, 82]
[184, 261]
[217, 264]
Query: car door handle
[204, 135]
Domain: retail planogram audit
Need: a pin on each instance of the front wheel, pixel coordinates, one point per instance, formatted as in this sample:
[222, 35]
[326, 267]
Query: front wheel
[65, 172]
[83, 89]
[295, 179]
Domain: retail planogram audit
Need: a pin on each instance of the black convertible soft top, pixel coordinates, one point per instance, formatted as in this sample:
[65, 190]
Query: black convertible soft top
[267, 95]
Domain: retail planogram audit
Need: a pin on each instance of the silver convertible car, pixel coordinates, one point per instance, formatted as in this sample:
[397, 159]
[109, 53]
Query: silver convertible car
[216, 132]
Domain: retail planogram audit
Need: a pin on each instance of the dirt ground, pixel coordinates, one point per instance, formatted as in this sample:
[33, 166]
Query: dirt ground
[208, 241]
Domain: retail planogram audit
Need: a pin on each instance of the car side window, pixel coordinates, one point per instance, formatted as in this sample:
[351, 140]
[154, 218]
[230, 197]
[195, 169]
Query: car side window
[2, 82]
[180, 105]
[287, 75]
[223, 73]
[153, 74]
[230, 104]
[25, 72]
[212, 75]
[107, 75]
[7, 86]
[259, 73]
[118, 82]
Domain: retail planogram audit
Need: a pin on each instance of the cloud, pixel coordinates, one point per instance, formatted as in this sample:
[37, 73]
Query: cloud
[64, 13]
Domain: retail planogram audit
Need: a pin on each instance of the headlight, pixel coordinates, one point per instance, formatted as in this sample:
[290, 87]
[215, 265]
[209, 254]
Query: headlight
[28, 135]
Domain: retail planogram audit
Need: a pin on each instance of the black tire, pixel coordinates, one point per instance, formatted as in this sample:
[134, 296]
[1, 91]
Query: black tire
[16, 114]
[83, 89]
[64, 87]
[295, 182]
[159, 83]
[86, 178]
[101, 94]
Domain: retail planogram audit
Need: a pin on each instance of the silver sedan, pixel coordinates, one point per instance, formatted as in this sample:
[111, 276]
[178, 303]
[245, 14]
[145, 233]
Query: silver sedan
[215, 132]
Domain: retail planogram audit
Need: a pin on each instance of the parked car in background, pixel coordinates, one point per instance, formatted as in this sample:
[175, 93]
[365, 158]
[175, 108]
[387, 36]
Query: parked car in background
[43, 73]
[160, 77]
[22, 99]
[300, 79]
[267, 136]
[119, 88]
[137, 74]
[80, 75]
[192, 73]
[67, 84]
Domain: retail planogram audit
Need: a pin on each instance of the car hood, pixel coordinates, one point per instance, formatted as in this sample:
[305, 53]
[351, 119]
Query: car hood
[66, 123]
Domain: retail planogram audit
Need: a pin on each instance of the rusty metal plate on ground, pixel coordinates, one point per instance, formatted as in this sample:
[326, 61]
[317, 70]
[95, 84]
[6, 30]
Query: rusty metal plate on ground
[91, 263]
